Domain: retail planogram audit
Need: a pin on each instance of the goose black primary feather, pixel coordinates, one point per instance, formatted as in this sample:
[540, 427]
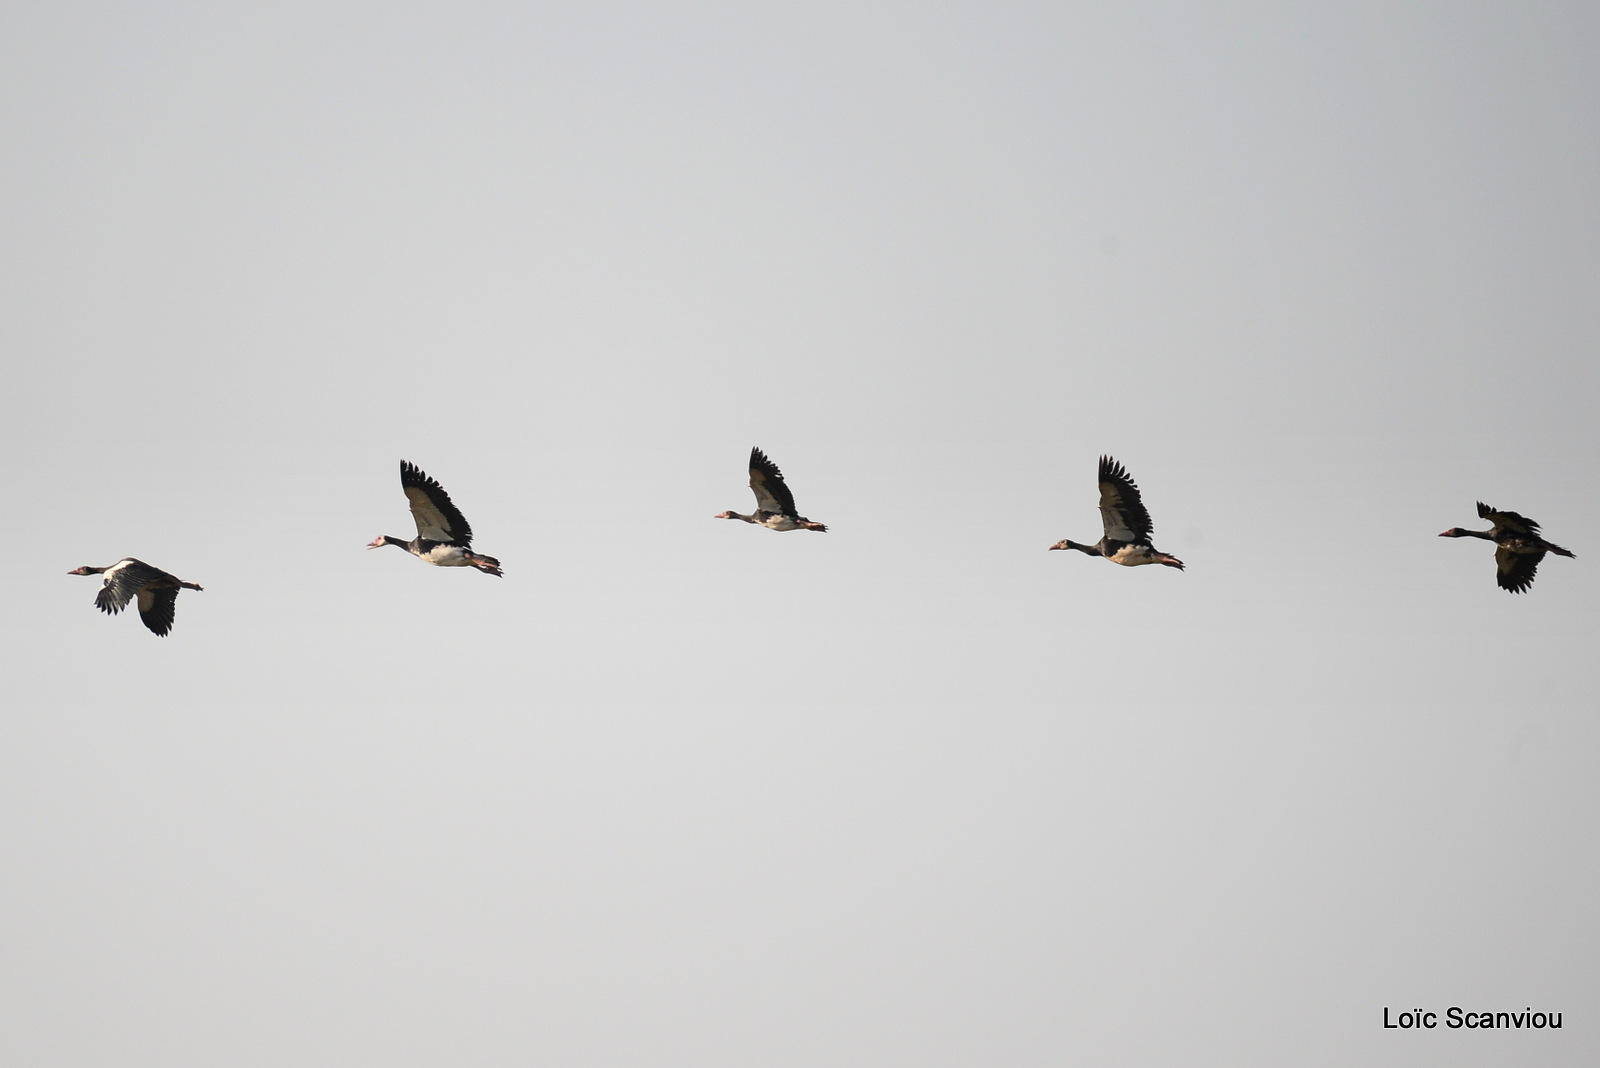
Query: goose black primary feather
[444, 537]
[130, 580]
[1519, 547]
[1126, 524]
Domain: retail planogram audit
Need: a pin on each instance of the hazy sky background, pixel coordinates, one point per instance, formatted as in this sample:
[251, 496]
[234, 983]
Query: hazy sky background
[682, 792]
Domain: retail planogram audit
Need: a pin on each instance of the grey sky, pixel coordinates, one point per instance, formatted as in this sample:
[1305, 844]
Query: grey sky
[681, 792]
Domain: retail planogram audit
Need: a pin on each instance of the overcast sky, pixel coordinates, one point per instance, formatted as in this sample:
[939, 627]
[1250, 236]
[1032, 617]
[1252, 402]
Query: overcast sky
[677, 792]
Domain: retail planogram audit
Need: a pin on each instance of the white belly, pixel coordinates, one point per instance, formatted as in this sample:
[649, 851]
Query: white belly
[1133, 556]
[445, 556]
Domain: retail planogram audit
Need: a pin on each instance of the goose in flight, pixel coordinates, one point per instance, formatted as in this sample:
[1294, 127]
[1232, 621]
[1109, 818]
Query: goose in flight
[774, 503]
[444, 538]
[129, 579]
[1127, 524]
[1518, 546]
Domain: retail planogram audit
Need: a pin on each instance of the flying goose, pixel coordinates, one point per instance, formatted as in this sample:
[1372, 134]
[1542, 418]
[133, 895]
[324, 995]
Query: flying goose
[444, 537]
[1127, 524]
[774, 502]
[1518, 546]
[127, 579]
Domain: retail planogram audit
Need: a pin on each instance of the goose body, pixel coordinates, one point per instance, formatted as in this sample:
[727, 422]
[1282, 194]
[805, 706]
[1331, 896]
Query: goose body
[1518, 546]
[130, 580]
[444, 537]
[774, 503]
[1127, 525]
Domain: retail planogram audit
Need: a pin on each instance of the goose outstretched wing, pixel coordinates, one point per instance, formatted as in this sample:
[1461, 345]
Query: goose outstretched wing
[1520, 524]
[157, 607]
[766, 481]
[1121, 510]
[1514, 571]
[438, 519]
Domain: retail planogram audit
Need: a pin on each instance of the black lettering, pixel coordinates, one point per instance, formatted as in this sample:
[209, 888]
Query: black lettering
[1455, 1018]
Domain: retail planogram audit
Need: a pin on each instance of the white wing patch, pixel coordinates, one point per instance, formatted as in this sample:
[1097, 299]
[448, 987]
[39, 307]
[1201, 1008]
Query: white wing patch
[765, 501]
[431, 523]
[1111, 515]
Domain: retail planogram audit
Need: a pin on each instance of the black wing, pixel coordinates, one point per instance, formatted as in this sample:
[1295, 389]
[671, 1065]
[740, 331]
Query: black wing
[156, 608]
[1521, 524]
[767, 483]
[1514, 571]
[1121, 510]
[123, 581]
[438, 519]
